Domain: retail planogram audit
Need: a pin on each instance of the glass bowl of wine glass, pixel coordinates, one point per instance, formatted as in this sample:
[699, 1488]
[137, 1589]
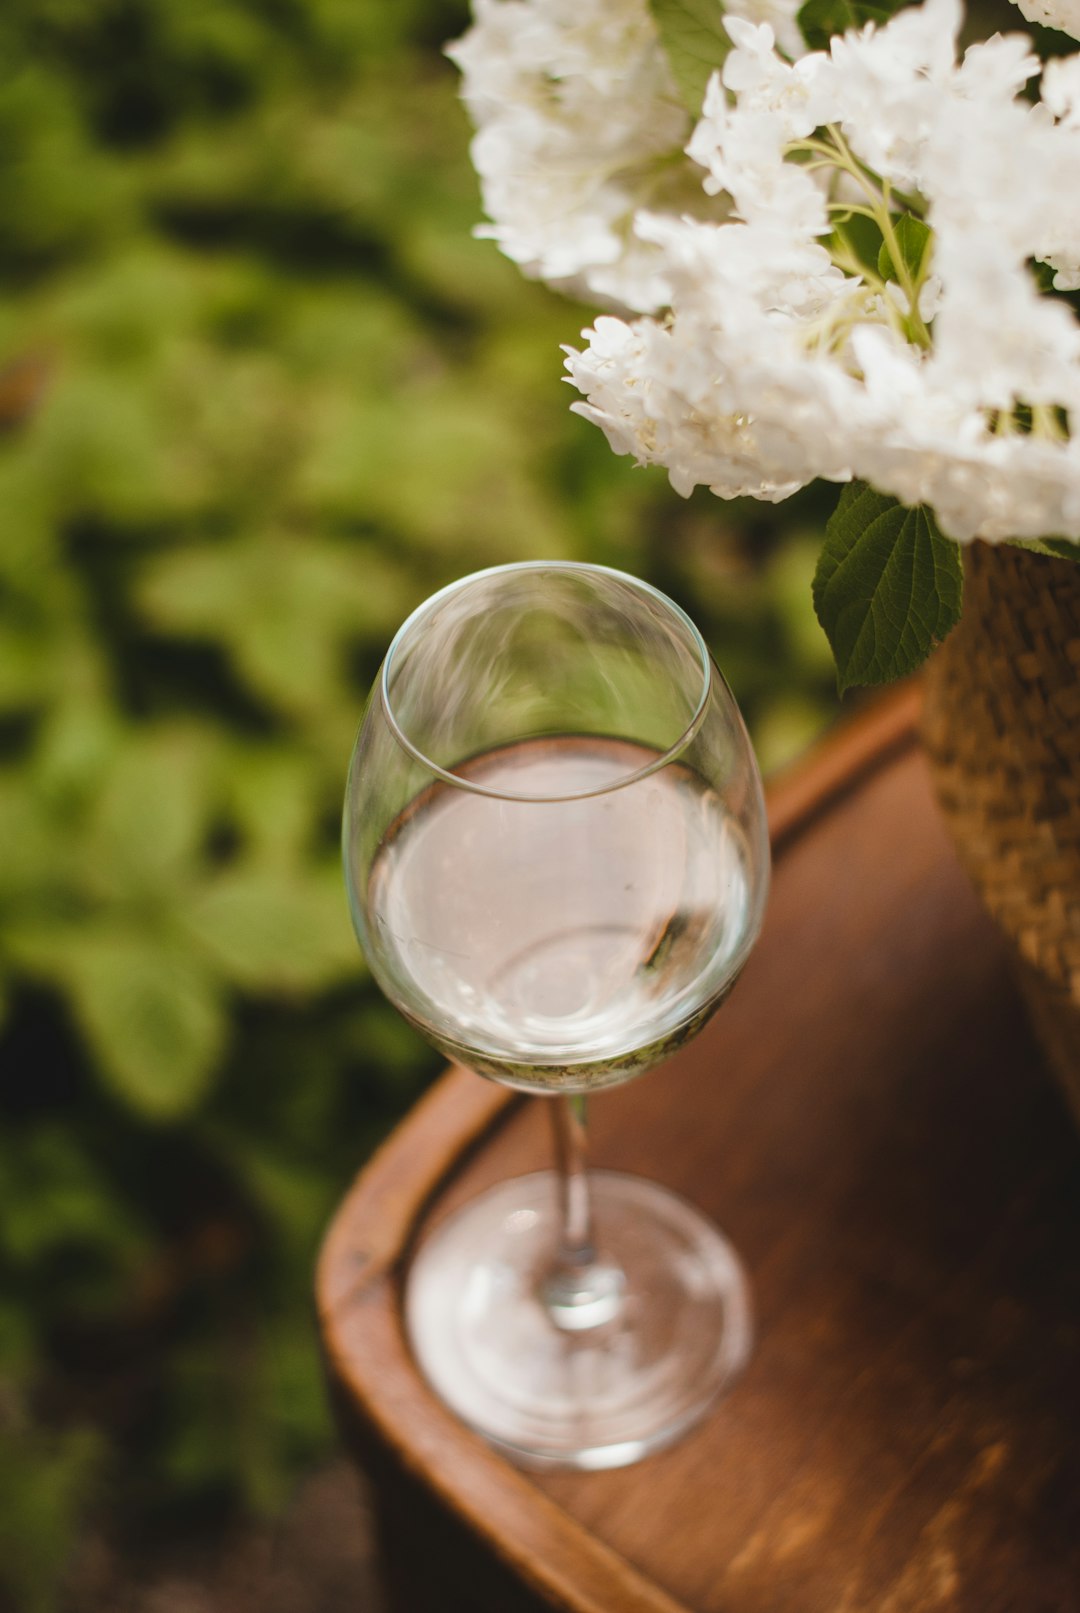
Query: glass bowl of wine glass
[557, 862]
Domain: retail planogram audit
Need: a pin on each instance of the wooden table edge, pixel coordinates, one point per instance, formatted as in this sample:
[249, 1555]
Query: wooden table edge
[366, 1247]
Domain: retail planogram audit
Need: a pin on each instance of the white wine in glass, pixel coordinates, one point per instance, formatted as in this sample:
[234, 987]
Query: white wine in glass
[557, 861]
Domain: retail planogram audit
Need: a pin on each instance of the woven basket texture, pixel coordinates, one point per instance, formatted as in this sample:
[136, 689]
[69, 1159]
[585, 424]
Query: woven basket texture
[1001, 726]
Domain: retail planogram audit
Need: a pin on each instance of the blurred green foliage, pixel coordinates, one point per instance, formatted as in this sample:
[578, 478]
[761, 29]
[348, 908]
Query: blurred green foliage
[260, 393]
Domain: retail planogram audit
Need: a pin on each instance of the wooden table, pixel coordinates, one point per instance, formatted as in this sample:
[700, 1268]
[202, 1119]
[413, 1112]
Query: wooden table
[868, 1120]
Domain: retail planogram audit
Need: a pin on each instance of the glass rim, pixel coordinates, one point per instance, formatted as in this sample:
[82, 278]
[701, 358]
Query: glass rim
[574, 567]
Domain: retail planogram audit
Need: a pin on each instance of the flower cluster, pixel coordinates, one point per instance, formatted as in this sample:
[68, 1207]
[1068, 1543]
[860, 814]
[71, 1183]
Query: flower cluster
[854, 264]
[579, 128]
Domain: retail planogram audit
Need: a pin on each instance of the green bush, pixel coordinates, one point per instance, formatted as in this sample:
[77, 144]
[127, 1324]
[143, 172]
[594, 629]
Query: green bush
[260, 393]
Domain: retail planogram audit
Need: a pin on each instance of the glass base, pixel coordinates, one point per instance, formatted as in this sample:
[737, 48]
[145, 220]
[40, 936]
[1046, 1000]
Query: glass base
[673, 1323]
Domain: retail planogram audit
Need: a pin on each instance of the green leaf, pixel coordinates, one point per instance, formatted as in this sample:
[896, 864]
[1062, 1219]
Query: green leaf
[152, 1015]
[913, 238]
[56, 1197]
[1054, 548]
[78, 742]
[269, 932]
[292, 1194]
[149, 818]
[36, 855]
[888, 586]
[858, 235]
[283, 603]
[819, 20]
[47, 1481]
[695, 41]
[1043, 275]
[273, 793]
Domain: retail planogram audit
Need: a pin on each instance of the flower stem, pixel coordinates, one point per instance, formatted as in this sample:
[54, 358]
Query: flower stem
[835, 152]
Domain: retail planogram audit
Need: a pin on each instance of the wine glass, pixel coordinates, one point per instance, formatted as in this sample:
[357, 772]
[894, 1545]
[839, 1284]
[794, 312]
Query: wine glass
[557, 861]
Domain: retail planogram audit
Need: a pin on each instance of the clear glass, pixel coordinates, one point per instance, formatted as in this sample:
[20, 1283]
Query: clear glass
[557, 862]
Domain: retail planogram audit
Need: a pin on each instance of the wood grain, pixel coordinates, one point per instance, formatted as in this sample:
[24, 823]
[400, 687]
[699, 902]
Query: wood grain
[868, 1121]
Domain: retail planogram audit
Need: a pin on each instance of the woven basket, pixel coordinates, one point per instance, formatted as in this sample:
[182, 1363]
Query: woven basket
[1001, 725]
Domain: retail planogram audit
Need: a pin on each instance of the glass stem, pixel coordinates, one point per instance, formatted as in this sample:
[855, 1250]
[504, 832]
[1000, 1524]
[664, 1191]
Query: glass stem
[579, 1291]
[569, 1115]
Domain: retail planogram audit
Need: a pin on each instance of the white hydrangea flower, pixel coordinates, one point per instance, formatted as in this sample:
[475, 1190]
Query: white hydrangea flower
[770, 351]
[780, 15]
[713, 393]
[776, 364]
[887, 85]
[1061, 90]
[742, 147]
[579, 123]
[1059, 237]
[1061, 14]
